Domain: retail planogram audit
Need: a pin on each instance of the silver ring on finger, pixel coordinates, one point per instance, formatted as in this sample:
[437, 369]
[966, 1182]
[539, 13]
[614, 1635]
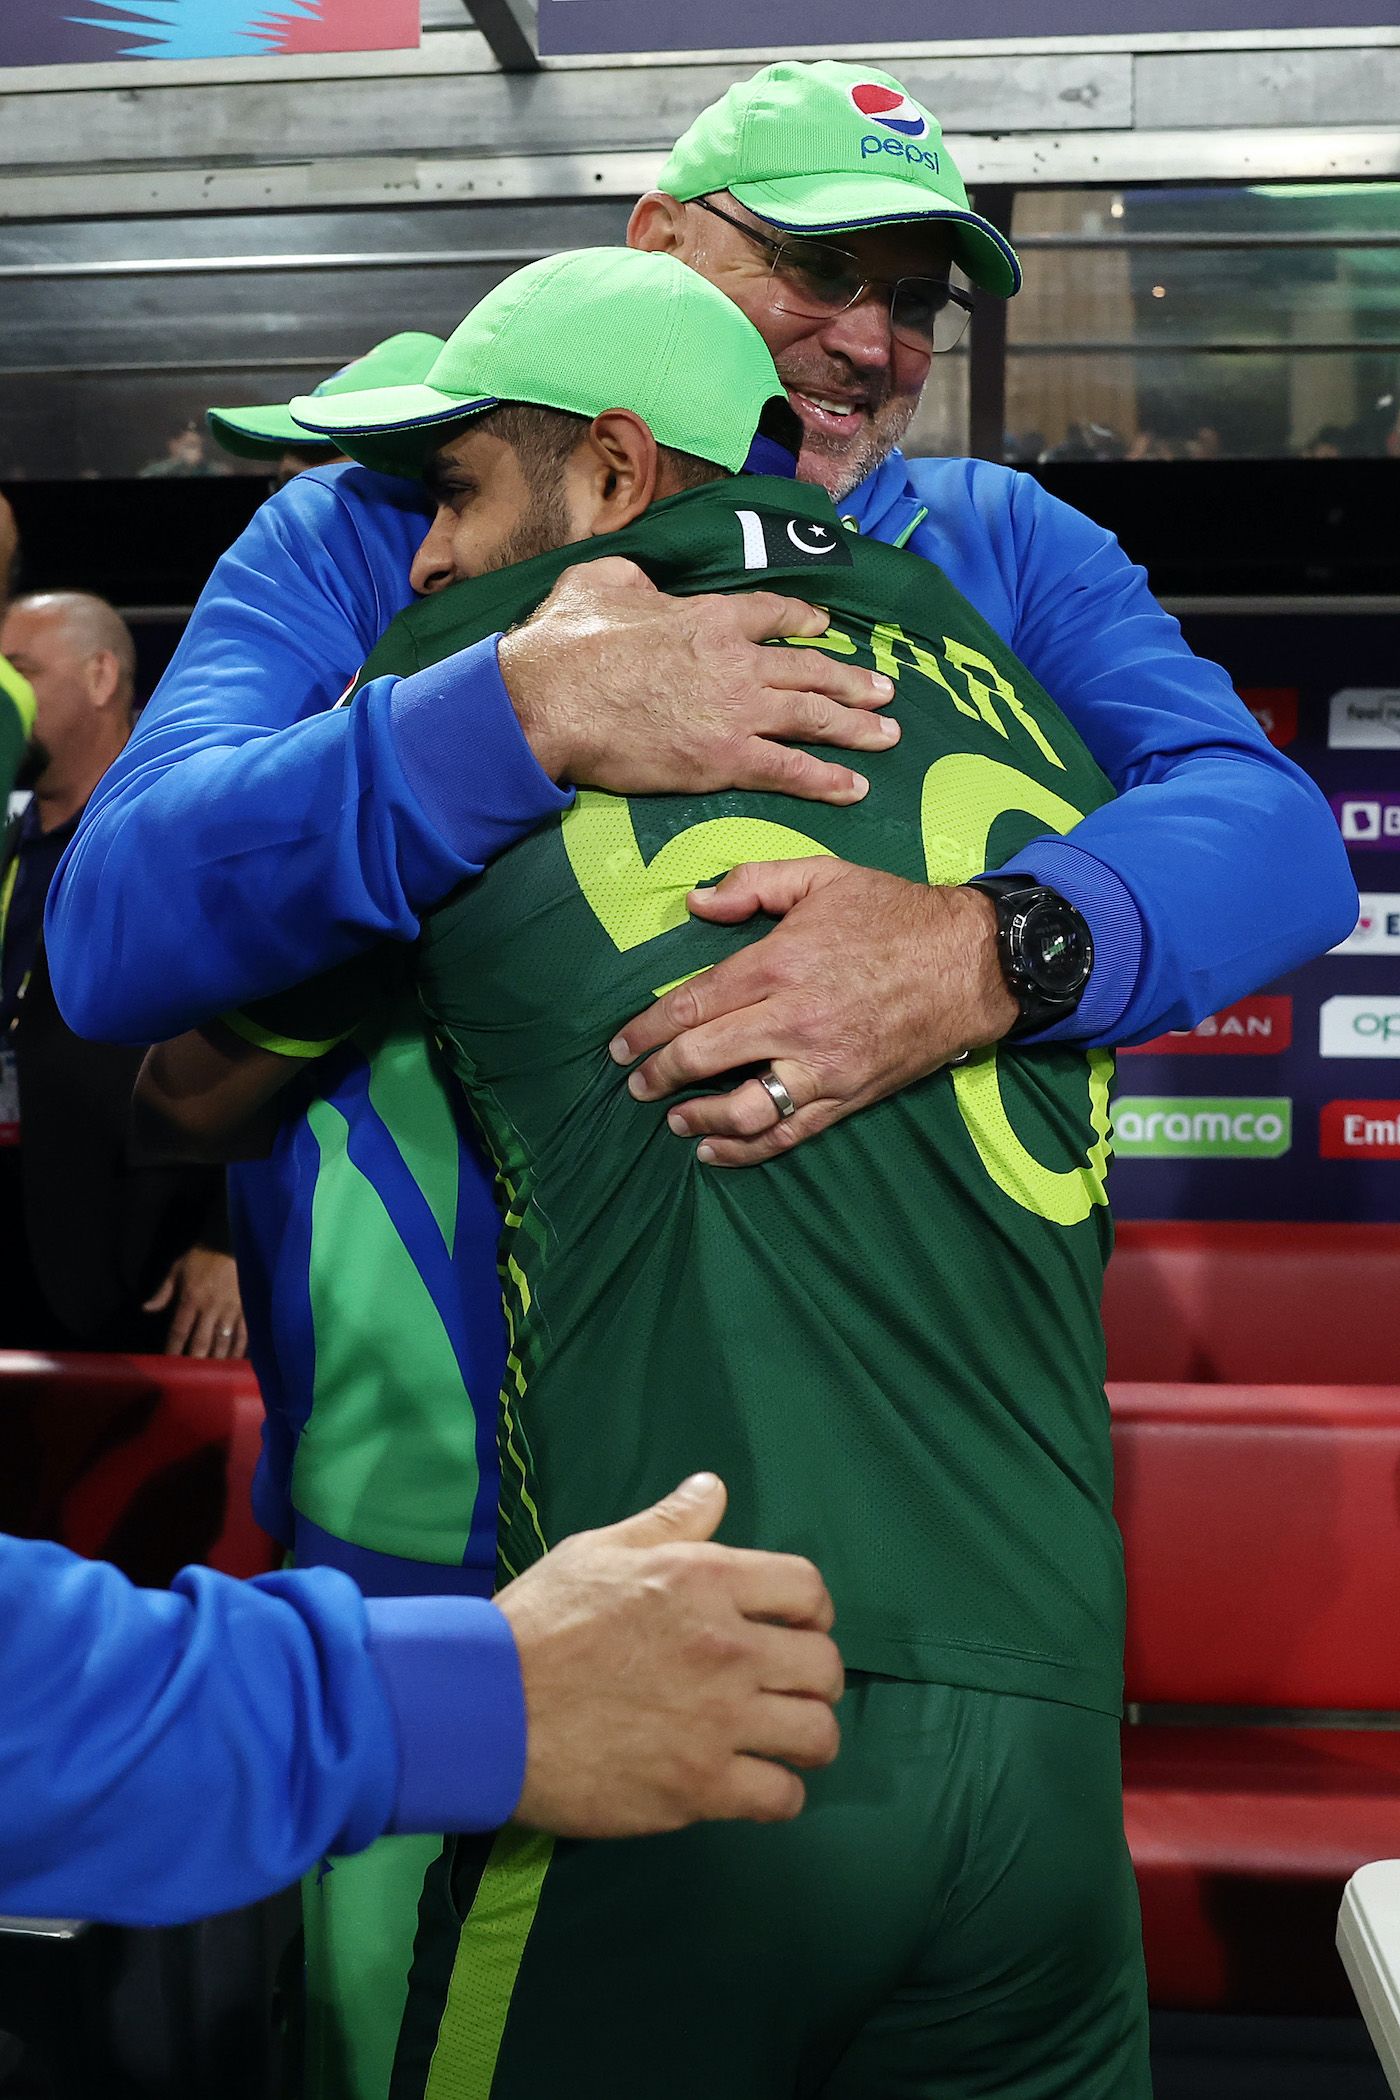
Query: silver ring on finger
[224, 1333]
[778, 1094]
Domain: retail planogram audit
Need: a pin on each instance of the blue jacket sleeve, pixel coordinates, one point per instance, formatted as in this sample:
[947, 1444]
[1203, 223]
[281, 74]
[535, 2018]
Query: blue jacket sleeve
[165, 1755]
[1219, 866]
[249, 836]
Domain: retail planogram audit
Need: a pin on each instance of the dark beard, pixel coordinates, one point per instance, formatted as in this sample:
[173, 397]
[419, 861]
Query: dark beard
[543, 529]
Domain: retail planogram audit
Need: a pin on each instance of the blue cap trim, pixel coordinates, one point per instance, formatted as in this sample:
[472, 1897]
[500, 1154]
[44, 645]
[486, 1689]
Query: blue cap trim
[951, 216]
[767, 456]
[457, 413]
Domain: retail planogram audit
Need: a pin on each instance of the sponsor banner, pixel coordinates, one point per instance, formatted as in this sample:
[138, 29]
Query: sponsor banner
[1364, 718]
[1275, 709]
[67, 32]
[1368, 1026]
[1337, 662]
[1360, 1130]
[587, 26]
[1377, 930]
[1185, 1126]
[1377, 927]
[1251, 1027]
[1369, 820]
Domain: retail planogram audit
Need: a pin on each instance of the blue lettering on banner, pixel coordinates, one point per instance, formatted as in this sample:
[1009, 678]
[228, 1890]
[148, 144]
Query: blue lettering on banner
[901, 149]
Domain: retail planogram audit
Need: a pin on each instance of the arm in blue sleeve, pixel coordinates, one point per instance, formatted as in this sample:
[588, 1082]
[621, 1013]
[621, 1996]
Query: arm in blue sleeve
[1219, 866]
[249, 836]
[165, 1755]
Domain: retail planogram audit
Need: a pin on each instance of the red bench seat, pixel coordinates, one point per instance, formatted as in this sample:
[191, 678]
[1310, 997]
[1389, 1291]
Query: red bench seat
[1261, 1531]
[146, 1461]
[1293, 1304]
[1242, 1840]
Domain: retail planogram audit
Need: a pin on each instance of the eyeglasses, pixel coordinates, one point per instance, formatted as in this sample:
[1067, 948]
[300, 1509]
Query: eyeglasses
[815, 281]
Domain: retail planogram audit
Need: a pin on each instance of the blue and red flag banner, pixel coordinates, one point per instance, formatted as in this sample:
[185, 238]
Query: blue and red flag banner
[77, 32]
[585, 27]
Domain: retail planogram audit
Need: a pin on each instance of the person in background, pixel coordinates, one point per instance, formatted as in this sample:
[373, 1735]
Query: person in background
[1330, 443]
[102, 1250]
[269, 433]
[16, 693]
[186, 459]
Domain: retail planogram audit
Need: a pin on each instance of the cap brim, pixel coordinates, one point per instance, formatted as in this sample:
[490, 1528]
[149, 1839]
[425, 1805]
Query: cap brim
[848, 203]
[262, 433]
[390, 428]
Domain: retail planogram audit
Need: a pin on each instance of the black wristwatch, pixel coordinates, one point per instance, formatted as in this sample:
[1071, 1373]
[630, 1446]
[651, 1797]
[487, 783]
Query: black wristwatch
[1044, 946]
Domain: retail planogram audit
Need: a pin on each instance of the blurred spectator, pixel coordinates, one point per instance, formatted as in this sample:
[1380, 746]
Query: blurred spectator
[1085, 441]
[1022, 448]
[1204, 443]
[100, 1251]
[186, 458]
[1150, 444]
[1330, 443]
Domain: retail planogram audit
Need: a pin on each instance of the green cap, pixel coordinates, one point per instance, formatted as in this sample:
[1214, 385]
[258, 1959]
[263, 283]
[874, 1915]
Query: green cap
[828, 148]
[588, 330]
[266, 433]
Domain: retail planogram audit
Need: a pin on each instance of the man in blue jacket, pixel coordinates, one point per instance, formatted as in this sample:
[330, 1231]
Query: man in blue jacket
[250, 839]
[1216, 868]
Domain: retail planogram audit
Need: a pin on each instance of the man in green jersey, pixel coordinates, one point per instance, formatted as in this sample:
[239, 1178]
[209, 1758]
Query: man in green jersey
[891, 1349]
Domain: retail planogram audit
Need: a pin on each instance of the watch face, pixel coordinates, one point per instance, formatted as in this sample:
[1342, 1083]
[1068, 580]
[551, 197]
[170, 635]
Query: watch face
[1056, 949]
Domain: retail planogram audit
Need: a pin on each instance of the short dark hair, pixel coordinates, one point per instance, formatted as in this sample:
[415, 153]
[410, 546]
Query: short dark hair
[543, 440]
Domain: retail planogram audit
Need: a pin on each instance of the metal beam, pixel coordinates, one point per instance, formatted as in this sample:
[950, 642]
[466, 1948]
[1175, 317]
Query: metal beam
[1026, 160]
[511, 29]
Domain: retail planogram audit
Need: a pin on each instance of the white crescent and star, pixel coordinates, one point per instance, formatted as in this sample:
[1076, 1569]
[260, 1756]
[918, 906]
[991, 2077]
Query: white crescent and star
[821, 532]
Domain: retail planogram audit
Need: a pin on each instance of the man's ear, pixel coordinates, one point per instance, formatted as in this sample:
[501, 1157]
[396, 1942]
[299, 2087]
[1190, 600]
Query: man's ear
[620, 464]
[104, 677]
[659, 225]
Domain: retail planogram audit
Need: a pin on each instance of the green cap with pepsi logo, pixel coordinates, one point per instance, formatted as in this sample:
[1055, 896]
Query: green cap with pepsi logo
[267, 432]
[586, 331]
[831, 148]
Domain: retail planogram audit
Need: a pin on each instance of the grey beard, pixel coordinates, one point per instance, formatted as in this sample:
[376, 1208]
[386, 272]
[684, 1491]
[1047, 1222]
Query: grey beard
[881, 437]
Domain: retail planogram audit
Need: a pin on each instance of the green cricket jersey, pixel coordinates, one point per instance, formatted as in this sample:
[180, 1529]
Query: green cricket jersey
[888, 1344]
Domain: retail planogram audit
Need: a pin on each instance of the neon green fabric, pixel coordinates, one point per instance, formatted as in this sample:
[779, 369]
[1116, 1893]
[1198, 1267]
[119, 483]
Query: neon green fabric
[18, 694]
[952, 1916]
[587, 330]
[266, 432]
[830, 147]
[360, 1914]
[387, 1457]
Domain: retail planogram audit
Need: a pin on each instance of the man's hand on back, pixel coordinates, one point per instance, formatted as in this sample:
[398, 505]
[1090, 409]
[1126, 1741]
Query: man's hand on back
[619, 686]
[665, 1676]
[867, 984]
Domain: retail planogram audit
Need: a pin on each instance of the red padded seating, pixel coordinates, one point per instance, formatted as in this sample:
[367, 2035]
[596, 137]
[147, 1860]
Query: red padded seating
[1262, 1534]
[1243, 1839]
[1299, 1304]
[146, 1461]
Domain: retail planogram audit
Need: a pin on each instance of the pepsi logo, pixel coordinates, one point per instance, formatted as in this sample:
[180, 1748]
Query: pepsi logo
[882, 105]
